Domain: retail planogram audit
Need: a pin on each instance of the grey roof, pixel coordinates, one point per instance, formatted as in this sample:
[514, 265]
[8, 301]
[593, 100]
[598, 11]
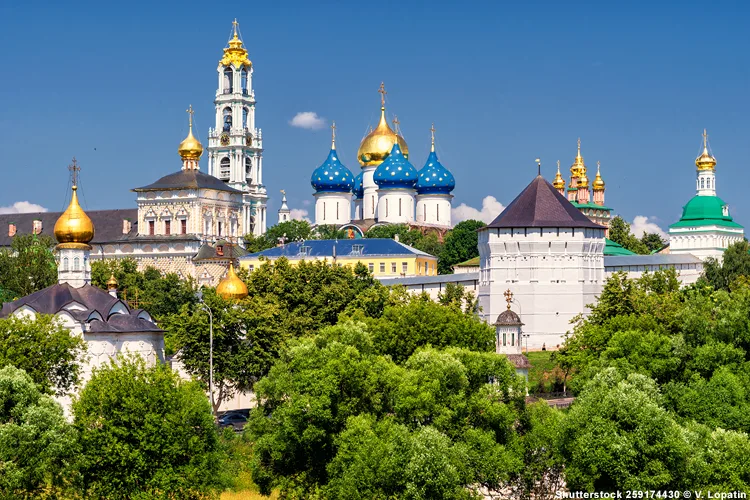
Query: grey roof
[367, 247]
[107, 224]
[431, 280]
[188, 179]
[541, 205]
[656, 259]
[508, 318]
[53, 300]
[207, 251]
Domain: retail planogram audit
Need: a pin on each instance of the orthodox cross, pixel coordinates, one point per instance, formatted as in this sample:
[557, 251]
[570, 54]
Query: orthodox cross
[333, 135]
[190, 112]
[382, 93]
[558, 165]
[432, 133]
[508, 297]
[538, 166]
[597, 166]
[705, 139]
[395, 123]
[74, 169]
[235, 23]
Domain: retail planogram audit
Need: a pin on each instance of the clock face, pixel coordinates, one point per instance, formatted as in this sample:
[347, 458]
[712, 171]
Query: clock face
[249, 140]
[224, 139]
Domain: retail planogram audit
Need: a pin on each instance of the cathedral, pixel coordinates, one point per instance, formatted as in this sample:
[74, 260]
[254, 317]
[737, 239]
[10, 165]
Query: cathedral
[388, 190]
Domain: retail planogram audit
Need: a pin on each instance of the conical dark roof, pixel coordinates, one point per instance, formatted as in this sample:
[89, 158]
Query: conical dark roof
[541, 205]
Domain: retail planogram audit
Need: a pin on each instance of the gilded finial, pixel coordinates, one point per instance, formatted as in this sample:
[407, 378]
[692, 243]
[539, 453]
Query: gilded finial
[558, 166]
[333, 135]
[508, 297]
[705, 139]
[579, 146]
[538, 166]
[235, 24]
[190, 148]
[432, 133]
[283, 192]
[395, 124]
[382, 93]
[74, 169]
[705, 161]
[190, 113]
[559, 182]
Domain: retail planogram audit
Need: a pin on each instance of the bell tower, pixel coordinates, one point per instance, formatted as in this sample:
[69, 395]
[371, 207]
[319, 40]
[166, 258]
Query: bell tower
[235, 145]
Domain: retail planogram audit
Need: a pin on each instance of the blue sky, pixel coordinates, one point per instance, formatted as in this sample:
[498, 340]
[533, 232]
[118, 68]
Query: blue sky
[504, 83]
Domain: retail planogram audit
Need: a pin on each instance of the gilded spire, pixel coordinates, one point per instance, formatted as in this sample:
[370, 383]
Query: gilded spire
[74, 228]
[235, 54]
[432, 134]
[559, 182]
[705, 161]
[578, 169]
[190, 148]
[598, 181]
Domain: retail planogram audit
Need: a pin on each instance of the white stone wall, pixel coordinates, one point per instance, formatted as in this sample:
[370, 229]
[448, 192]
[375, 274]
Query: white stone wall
[396, 206]
[370, 200]
[73, 266]
[553, 274]
[703, 242]
[358, 209]
[512, 337]
[687, 273]
[333, 208]
[434, 209]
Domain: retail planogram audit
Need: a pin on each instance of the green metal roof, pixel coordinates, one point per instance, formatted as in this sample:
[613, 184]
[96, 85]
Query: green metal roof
[705, 211]
[468, 263]
[589, 205]
[612, 248]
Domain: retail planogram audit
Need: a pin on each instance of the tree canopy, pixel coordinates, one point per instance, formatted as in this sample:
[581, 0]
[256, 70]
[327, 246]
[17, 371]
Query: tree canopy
[734, 264]
[33, 254]
[619, 232]
[461, 244]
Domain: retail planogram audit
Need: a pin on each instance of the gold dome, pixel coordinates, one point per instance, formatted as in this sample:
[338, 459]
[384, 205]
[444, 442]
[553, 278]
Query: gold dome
[377, 145]
[236, 54]
[578, 169]
[705, 161]
[231, 287]
[559, 182]
[190, 148]
[598, 181]
[112, 282]
[583, 181]
[74, 229]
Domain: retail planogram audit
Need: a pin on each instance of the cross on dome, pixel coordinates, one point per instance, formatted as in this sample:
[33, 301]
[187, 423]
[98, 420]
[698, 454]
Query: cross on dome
[432, 134]
[382, 93]
[508, 297]
[74, 169]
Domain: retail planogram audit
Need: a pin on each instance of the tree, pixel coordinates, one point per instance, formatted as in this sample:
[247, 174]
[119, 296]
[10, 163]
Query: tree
[428, 243]
[144, 433]
[44, 349]
[653, 241]
[247, 337]
[329, 232]
[461, 244]
[36, 442]
[735, 263]
[283, 232]
[619, 232]
[27, 266]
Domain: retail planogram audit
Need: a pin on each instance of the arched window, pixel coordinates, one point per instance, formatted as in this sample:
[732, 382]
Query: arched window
[245, 112]
[437, 212]
[337, 210]
[248, 168]
[708, 183]
[65, 264]
[243, 75]
[227, 119]
[76, 264]
[399, 207]
[228, 81]
[224, 165]
[703, 182]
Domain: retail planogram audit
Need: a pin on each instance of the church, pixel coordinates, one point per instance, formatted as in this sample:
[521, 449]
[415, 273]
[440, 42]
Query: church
[388, 189]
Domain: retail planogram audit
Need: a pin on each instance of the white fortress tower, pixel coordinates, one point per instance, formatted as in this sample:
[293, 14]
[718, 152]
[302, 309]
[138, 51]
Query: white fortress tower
[549, 255]
[235, 145]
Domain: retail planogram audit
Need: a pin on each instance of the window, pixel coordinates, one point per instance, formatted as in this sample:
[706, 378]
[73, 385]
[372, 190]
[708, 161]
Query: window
[248, 168]
[244, 116]
[183, 223]
[399, 207]
[371, 267]
[227, 81]
[243, 81]
[504, 334]
[151, 228]
[224, 167]
[221, 228]
[425, 267]
[76, 264]
[437, 212]
[324, 210]
[393, 267]
[358, 250]
[513, 338]
[703, 183]
[404, 267]
[382, 267]
[65, 264]
[227, 119]
[167, 227]
[372, 203]
[424, 213]
[251, 268]
[386, 207]
[337, 210]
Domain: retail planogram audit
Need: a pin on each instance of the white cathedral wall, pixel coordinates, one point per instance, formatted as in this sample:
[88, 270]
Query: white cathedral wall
[553, 274]
[358, 209]
[396, 205]
[370, 197]
[434, 209]
[703, 242]
[333, 208]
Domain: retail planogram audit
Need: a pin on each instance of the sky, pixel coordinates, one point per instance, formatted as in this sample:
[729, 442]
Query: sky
[503, 82]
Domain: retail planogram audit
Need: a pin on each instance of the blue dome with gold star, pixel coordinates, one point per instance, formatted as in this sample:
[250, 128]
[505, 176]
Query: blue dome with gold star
[434, 178]
[359, 189]
[395, 172]
[332, 176]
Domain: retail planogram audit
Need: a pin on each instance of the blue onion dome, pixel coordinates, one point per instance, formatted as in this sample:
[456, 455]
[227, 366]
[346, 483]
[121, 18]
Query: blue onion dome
[359, 189]
[434, 178]
[395, 172]
[332, 176]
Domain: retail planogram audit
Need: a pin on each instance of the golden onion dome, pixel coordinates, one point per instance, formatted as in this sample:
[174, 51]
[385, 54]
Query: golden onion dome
[74, 228]
[112, 282]
[705, 161]
[236, 54]
[598, 181]
[231, 287]
[583, 181]
[578, 168]
[559, 182]
[190, 148]
[377, 145]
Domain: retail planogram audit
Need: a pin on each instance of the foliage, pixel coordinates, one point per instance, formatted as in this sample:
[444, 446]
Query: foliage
[144, 433]
[33, 254]
[332, 412]
[44, 349]
[329, 232]
[545, 373]
[247, 336]
[283, 232]
[36, 442]
[461, 244]
[619, 232]
[734, 263]
[160, 294]
[653, 241]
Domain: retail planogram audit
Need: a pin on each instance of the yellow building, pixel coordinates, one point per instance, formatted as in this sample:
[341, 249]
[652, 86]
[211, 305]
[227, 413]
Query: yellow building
[383, 257]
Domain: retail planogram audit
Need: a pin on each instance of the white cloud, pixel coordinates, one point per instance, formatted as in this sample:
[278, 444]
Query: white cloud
[306, 203]
[308, 120]
[643, 223]
[491, 208]
[22, 207]
[299, 214]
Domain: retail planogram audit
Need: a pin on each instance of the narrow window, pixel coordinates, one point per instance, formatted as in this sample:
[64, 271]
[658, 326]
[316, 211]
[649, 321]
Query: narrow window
[372, 202]
[386, 207]
[437, 212]
[65, 264]
[424, 213]
[183, 222]
[382, 267]
[337, 210]
[324, 210]
[504, 334]
[399, 207]
[151, 227]
[220, 229]
[76, 264]
[404, 267]
[167, 227]
[513, 338]
[371, 267]
[702, 183]
[393, 267]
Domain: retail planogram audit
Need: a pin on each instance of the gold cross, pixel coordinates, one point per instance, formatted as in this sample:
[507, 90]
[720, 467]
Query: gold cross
[558, 165]
[191, 113]
[333, 134]
[508, 297]
[705, 139]
[382, 93]
[235, 24]
[432, 133]
[395, 123]
[74, 169]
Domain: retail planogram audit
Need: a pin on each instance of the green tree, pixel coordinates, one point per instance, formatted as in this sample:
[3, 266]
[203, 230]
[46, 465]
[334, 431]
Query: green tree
[292, 230]
[44, 349]
[735, 263]
[653, 241]
[461, 244]
[329, 232]
[619, 232]
[413, 237]
[36, 442]
[144, 433]
[27, 266]
[247, 337]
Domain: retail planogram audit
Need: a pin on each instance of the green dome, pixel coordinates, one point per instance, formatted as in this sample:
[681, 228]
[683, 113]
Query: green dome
[705, 211]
